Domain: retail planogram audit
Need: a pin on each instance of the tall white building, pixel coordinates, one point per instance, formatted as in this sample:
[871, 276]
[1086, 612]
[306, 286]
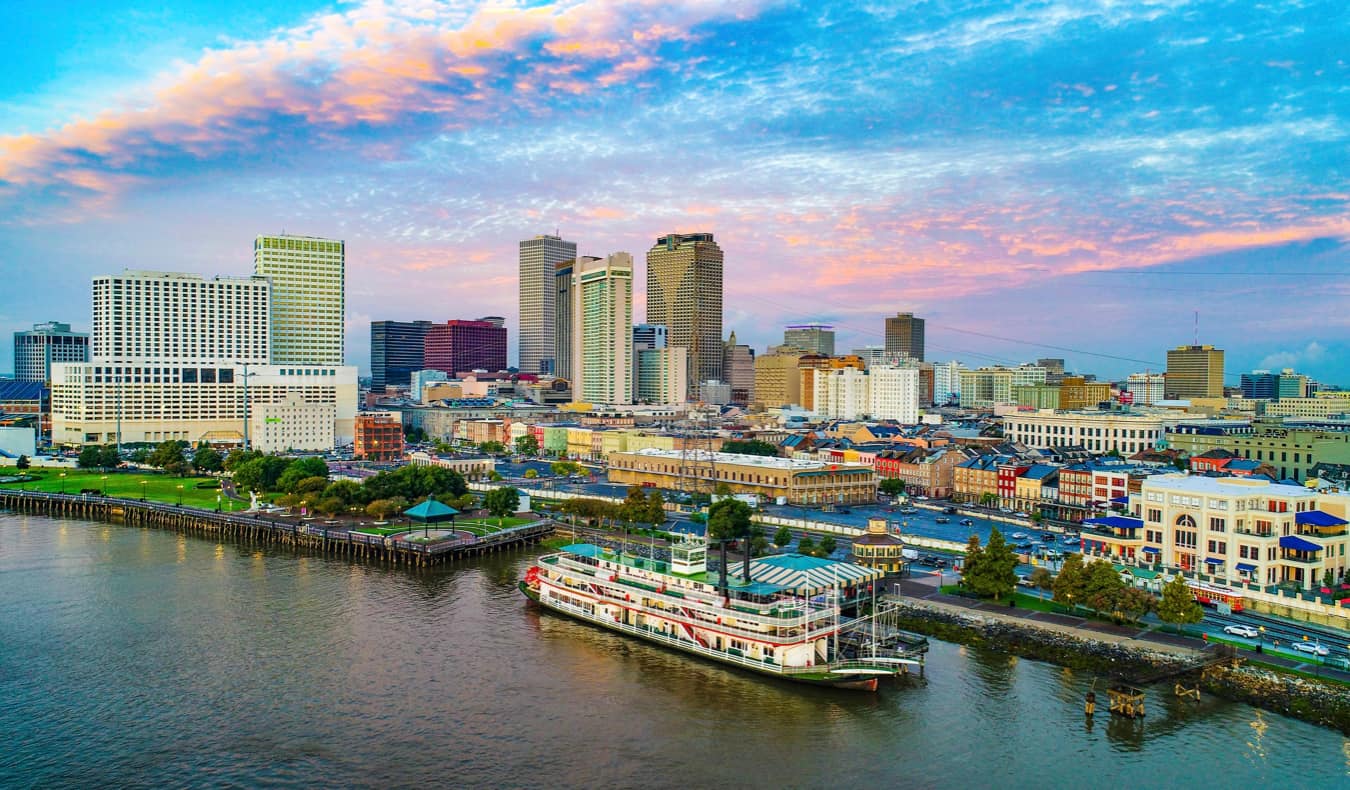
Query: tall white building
[661, 375]
[35, 350]
[174, 356]
[947, 382]
[895, 393]
[843, 393]
[308, 276]
[602, 330]
[539, 271]
[1145, 388]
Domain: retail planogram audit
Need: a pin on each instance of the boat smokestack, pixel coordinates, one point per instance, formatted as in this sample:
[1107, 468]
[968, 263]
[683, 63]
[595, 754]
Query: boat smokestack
[722, 574]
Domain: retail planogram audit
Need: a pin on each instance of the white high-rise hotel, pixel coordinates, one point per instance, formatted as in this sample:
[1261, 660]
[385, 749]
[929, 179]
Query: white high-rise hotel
[602, 330]
[181, 356]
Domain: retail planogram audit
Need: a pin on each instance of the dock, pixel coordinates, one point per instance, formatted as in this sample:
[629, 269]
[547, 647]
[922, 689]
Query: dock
[259, 528]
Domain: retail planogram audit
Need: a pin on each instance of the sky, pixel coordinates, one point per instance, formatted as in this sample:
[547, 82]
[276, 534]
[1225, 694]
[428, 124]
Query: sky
[1087, 180]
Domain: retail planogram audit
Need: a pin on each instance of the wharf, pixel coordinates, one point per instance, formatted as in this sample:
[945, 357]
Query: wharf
[259, 528]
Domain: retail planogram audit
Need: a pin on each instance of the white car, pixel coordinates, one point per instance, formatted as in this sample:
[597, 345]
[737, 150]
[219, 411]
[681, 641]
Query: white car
[1311, 648]
[1242, 630]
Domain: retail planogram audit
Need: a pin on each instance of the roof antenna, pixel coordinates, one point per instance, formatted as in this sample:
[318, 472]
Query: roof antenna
[1197, 328]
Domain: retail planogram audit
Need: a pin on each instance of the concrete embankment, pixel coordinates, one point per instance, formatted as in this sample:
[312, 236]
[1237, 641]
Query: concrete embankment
[1309, 699]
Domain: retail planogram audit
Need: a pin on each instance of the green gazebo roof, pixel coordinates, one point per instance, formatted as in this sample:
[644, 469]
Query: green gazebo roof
[430, 511]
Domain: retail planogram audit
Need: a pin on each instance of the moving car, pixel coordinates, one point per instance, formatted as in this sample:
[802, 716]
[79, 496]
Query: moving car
[1025, 581]
[1311, 648]
[965, 522]
[942, 519]
[951, 511]
[1242, 630]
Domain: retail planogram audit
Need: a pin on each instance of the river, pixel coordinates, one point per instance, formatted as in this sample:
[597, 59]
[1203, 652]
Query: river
[136, 657]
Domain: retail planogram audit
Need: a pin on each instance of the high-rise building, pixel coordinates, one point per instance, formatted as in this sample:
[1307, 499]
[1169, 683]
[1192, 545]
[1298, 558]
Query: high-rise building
[947, 382]
[36, 349]
[1260, 384]
[646, 337]
[1145, 389]
[811, 364]
[1054, 366]
[812, 338]
[904, 337]
[895, 393]
[539, 259]
[1194, 372]
[684, 293]
[871, 355]
[738, 369]
[1291, 385]
[397, 348]
[308, 274]
[778, 382]
[842, 393]
[562, 315]
[661, 373]
[602, 330]
[179, 356]
[459, 346]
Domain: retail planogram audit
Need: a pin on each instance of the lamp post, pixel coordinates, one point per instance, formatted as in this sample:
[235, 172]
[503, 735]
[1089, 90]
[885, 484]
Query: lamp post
[143, 484]
[105, 485]
[63, 482]
[1261, 639]
[180, 494]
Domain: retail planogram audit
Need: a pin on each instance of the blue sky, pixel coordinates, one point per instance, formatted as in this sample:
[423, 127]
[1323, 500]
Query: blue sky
[1038, 179]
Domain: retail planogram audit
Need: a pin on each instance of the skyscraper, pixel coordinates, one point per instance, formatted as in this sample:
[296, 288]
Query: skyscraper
[396, 350]
[308, 277]
[738, 370]
[904, 337]
[1194, 372]
[602, 330]
[35, 350]
[649, 337]
[562, 314]
[684, 292]
[539, 259]
[813, 338]
[458, 346]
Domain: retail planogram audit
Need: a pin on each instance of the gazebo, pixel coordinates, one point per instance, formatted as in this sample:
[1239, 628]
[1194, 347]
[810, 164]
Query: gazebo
[430, 512]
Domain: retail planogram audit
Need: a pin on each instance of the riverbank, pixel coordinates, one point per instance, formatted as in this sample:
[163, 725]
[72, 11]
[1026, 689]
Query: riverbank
[1124, 657]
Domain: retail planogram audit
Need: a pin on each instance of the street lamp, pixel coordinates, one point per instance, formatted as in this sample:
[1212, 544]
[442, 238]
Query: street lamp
[180, 494]
[63, 482]
[143, 484]
[105, 485]
[1262, 638]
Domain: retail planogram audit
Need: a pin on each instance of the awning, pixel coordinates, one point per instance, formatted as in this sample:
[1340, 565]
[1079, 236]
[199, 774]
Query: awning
[1115, 522]
[1298, 544]
[1213, 561]
[1152, 550]
[1318, 518]
[1245, 567]
[1120, 500]
[1143, 573]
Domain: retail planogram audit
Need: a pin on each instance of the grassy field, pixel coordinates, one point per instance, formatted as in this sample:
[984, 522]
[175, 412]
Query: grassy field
[159, 488]
[481, 527]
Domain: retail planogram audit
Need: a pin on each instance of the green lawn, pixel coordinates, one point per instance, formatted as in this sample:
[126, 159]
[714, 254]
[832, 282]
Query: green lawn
[486, 526]
[160, 488]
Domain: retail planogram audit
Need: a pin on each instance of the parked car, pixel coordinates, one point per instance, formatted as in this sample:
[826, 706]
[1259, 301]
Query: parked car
[1025, 581]
[1020, 514]
[965, 522]
[1311, 648]
[942, 520]
[1245, 631]
[951, 511]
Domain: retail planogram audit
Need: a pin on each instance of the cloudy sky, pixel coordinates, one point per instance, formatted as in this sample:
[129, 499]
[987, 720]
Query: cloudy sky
[1066, 179]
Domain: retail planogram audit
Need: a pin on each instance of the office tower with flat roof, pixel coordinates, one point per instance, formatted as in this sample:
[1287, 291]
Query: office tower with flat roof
[646, 337]
[738, 369]
[871, 355]
[562, 314]
[396, 350]
[308, 275]
[684, 293]
[661, 373]
[1194, 372]
[812, 338]
[36, 349]
[602, 330]
[904, 337]
[539, 259]
[462, 346]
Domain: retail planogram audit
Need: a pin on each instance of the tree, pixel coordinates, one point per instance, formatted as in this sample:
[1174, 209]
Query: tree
[531, 474]
[108, 457]
[383, 509]
[656, 508]
[495, 476]
[995, 572]
[806, 545]
[1101, 586]
[892, 486]
[527, 445]
[491, 448]
[634, 507]
[729, 519]
[348, 491]
[988, 499]
[330, 506]
[248, 476]
[502, 502]
[1328, 578]
[1069, 584]
[750, 447]
[1133, 603]
[782, 537]
[238, 457]
[970, 565]
[168, 455]
[1178, 605]
[23, 463]
[565, 468]
[311, 487]
[722, 489]
[207, 459]
[826, 546]
[90, 456]
[1042, 579]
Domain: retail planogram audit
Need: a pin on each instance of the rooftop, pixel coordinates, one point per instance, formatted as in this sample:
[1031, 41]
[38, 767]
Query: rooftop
[733, 459]
[1225, 486]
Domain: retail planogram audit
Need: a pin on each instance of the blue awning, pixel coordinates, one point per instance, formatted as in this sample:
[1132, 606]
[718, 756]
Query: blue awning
[1152, 550]
[1115, 522]
[1319, 518]
[1120, 500]
[1213, 561]
[1298, 544]
[1246, 567]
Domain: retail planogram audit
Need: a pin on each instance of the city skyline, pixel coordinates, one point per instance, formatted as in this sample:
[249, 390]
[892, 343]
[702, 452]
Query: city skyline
[431, 140]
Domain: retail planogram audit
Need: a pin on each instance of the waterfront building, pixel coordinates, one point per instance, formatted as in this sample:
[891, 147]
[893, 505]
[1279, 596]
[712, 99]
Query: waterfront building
[1145, 389]
[894, 393]
[778, 381]
[880, 548]
[1101, 432]
[602, 338]
[661, 375]
[397, 348]
[308, 277]
[459, 346]
[1234, 529]
[904, 337]
[797, 481]
[539, 278]
[738, 369]
[810, 338]
[379, 436]
[1291, 450]
[947, 382]
[684, 294]
[36, 349]
[1194, 372]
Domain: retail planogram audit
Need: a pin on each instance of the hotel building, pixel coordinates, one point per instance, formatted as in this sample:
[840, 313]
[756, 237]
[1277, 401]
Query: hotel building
[602, 330]
[684, 294]
[539, 259]
[308, 319]
[1098, 431]
[35, 350]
